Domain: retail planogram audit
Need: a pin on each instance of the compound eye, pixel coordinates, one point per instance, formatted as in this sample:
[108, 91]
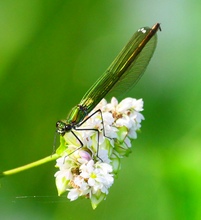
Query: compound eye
[68, 127]
[61, 127]
[57, 124]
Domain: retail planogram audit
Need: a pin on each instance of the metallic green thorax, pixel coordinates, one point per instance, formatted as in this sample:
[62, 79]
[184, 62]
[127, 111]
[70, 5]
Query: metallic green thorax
[76, 115]
[122, 74]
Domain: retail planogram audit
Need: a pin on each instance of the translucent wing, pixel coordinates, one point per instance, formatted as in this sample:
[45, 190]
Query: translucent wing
[126, 69]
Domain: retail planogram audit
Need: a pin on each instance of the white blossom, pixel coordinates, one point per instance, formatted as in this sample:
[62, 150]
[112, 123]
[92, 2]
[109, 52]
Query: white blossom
[89, 170]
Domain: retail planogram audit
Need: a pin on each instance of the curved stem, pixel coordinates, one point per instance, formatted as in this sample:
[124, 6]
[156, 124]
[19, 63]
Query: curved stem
[29, 166]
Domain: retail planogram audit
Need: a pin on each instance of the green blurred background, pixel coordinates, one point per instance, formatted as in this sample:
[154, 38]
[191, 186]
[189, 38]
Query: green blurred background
[50, 54]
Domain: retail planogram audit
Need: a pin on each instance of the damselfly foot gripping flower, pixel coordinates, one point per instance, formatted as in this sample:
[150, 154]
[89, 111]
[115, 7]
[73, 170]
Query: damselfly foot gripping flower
[89, 170]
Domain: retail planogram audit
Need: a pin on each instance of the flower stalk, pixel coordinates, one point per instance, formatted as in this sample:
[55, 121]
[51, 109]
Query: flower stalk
[29, 166]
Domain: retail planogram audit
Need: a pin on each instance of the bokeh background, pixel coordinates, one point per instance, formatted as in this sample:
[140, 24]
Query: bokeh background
[50, 54]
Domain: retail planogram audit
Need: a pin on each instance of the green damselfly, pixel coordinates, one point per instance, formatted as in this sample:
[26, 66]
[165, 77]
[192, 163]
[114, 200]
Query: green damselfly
[122, 74]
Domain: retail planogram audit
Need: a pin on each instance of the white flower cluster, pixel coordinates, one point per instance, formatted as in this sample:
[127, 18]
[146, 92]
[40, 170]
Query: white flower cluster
[89, 170]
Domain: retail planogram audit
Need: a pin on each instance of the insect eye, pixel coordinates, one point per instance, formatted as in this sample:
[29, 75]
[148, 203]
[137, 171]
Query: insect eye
[60, 125]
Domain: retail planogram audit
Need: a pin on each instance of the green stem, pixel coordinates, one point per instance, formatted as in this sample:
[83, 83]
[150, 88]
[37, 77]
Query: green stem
[30, 165]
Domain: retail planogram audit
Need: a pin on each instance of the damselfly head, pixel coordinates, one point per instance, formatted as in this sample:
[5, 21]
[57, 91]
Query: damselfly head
[62, 127]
